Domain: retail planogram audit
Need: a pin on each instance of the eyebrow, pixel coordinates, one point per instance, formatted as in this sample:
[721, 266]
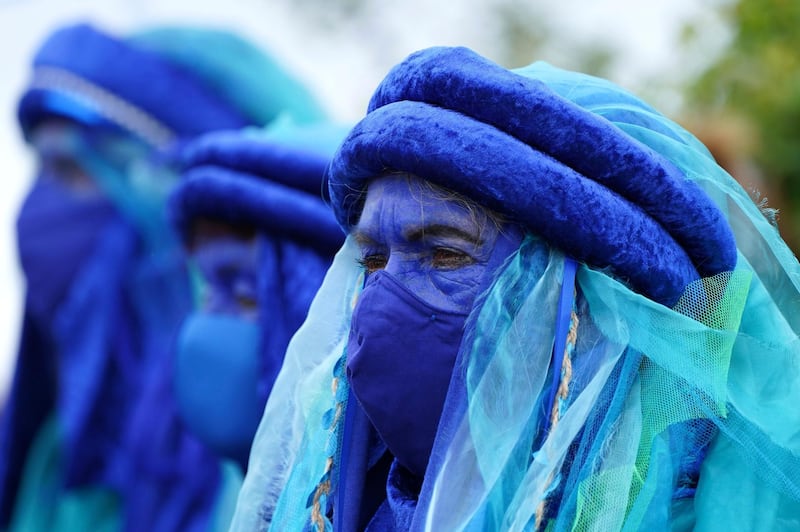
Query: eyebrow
[442, 230]
[363, 239]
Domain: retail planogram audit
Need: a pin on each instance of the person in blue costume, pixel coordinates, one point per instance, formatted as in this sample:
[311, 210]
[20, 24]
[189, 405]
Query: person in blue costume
[83, 443]
[260, 238]
[553, 311]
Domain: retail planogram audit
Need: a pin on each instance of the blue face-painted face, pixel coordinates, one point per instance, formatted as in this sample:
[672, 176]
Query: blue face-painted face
[426, 256]
[58, 148]
[218, 354]
[228, 270]
[436, 247]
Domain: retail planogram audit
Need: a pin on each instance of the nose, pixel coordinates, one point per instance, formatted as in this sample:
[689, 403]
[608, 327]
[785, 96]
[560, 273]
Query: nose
[220, 302]
[403, 268]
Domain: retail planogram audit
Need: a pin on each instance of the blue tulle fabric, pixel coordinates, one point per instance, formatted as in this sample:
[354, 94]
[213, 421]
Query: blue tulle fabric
[678, 417]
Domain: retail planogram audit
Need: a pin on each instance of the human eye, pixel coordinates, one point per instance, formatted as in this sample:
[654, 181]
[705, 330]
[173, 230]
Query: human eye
[246, 303]
[245, 294]
[68, 171]
[445, 258]
[372, 262]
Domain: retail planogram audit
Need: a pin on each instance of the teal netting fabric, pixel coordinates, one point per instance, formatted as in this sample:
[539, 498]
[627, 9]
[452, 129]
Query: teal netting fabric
[303, 393]
[671, 418]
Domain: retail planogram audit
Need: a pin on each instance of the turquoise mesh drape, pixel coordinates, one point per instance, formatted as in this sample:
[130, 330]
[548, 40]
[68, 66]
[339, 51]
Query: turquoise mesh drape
[678, 418]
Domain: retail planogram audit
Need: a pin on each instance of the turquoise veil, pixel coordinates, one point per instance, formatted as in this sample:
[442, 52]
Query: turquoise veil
[682, 417]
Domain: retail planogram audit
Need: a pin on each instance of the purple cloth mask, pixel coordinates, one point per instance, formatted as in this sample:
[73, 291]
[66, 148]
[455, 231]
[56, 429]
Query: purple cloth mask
[426, 258]
[400, 356]
[57, 229]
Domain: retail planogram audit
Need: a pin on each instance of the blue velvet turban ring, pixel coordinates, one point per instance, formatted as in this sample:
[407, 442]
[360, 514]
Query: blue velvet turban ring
[257, 181]
[510, 143]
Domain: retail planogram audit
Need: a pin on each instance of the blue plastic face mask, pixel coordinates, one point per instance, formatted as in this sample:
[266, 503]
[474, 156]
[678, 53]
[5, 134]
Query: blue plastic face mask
[426, 257]
[57, 229]
[218, 360]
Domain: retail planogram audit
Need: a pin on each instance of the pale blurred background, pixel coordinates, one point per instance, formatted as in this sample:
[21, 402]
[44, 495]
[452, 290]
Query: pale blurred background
[342, 48]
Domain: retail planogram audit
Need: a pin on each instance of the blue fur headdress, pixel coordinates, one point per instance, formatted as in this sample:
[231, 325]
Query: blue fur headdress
[162, 85]
[265, 181]
[514, 145]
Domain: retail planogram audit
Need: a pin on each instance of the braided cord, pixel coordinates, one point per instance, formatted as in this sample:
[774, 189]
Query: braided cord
[560, 403]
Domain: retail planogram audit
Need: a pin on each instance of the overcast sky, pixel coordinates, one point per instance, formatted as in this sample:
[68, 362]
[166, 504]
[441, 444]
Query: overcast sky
[341, 65]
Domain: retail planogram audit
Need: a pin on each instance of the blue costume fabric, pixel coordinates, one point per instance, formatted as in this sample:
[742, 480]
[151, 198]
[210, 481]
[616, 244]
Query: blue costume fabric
[257, 288]
[107, 282]
[53, 222]
[673, 298]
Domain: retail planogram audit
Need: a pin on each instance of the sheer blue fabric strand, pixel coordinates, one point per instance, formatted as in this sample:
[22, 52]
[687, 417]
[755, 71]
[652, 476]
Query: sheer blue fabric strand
[97, 354]
[309, 365]
[289, 276]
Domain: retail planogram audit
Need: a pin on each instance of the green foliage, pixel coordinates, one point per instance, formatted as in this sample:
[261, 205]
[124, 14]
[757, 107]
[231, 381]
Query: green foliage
[758, 78]
[520, 33]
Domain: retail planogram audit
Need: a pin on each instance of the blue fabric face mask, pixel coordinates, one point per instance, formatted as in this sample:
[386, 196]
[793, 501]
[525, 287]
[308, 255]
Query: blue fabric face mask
[399, 359]
[216, 381]
[219, 350]
[57, 228]
[426, 257]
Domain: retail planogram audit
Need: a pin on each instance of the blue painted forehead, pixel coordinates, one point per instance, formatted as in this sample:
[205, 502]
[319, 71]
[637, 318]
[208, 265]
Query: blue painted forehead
[513, 144]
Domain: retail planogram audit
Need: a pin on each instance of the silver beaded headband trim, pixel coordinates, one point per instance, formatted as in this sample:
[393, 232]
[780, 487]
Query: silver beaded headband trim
[105, 103]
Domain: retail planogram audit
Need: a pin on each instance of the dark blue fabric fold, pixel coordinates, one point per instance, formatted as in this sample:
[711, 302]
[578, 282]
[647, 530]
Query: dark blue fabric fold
[172, 478]
[30, 401]
[299, 163]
